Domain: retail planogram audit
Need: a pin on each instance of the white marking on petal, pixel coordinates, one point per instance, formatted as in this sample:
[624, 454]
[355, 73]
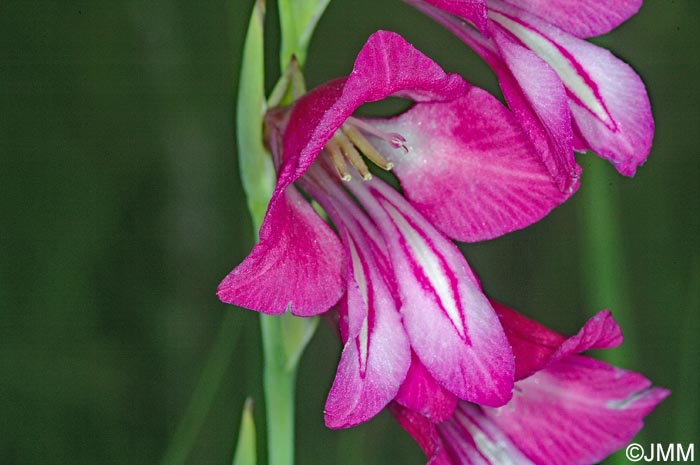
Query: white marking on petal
[428, 260]
[624, 404]
[358, 272]
[545, 49]
[492, 443]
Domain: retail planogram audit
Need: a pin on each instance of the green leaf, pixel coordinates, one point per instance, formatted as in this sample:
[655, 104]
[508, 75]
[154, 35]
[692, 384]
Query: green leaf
[245, 449]
[298, 19]
[257, 171]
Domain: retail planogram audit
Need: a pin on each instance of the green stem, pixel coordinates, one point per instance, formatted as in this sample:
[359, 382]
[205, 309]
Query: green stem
[284, 337]
[278, 382]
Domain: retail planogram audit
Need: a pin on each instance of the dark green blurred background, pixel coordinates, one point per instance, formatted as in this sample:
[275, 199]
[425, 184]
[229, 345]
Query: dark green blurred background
[121, 210]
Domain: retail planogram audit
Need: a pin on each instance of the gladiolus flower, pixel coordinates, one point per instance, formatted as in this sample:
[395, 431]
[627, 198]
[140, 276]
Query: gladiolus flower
[567, 409]
[467, 171]
[567, 93]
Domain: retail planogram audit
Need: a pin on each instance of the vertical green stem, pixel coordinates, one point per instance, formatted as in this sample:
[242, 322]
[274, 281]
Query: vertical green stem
[284, 337]
[278, 382]
[258, 179]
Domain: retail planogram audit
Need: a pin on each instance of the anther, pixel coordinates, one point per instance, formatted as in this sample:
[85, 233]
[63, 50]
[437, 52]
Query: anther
[338, 160]
[352, 155]
[396, 140]
[366, 147]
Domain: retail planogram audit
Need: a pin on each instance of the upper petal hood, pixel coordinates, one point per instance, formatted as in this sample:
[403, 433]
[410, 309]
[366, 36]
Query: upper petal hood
[387, 65]
[298, 263]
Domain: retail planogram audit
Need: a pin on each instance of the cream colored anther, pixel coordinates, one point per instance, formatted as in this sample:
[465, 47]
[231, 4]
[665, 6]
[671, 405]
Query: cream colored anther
[352, 155]
[338, 160]
[367, 149]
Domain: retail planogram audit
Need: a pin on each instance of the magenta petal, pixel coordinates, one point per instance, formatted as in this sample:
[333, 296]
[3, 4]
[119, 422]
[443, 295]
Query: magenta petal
[450, 323]
[376, 356]
[313, 120]
[296, 265]
[535, 346]
[582, 18]
[376, 353]
[628, 143]
[473, 11]
[470, 438]
[607, 99]
[421, 393]
[386, 65]
[476, 155]
[600, 332]
[423, 431]
[536, 95]
[533, 91]
[576, 412]
[371, 369]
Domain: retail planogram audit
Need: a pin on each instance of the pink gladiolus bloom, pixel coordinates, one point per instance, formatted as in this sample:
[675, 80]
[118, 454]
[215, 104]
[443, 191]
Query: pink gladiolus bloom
[567, 93]
[567, 409]
[467, 171]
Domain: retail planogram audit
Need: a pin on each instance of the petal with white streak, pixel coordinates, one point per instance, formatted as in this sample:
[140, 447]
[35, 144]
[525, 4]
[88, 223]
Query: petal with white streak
[538, 99]
[533, 90]
[376, 357]
[376, 353]
[607, 98]
[450, 323]
[576, 411]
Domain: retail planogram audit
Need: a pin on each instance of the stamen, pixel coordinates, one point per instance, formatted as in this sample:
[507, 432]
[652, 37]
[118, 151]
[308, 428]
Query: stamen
[352, 155]
[349, 144]
[396, 140]
[338, 160]
[366, 147]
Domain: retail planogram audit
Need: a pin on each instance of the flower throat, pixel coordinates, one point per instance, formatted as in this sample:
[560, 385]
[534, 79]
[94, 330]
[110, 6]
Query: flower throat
[348, 144]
